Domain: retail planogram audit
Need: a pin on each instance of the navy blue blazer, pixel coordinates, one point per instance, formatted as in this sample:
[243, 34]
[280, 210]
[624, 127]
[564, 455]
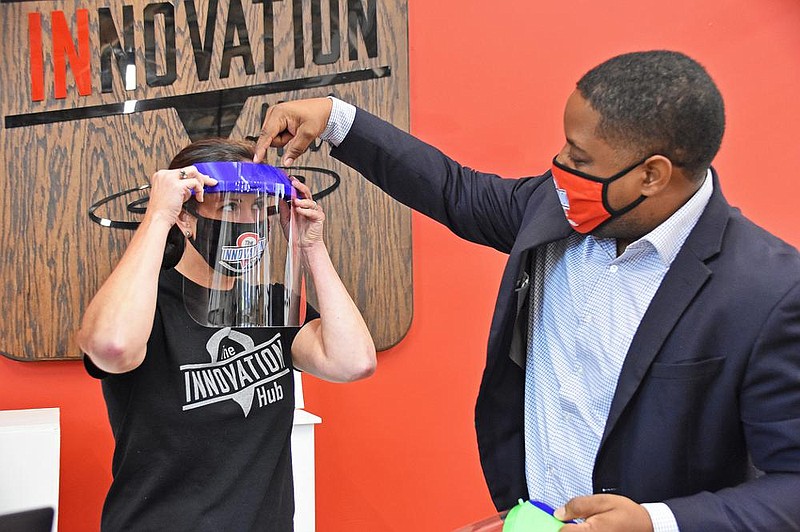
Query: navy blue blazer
[706, 414]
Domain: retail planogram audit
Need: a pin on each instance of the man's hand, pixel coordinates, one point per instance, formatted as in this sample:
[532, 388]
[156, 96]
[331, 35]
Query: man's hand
[605, 513]
[293, 126]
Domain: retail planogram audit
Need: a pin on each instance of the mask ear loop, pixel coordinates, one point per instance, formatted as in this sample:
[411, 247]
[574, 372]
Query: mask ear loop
[619, 212]
[619, 175]
[174, 248]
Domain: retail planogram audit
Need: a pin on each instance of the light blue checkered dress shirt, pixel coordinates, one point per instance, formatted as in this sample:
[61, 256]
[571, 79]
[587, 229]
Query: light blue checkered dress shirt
[586, 304]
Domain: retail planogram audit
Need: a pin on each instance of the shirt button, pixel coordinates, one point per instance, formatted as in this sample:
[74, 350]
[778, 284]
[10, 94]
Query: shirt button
[613, 268]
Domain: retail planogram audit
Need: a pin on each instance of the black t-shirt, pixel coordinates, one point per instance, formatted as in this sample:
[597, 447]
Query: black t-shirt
[202, 427]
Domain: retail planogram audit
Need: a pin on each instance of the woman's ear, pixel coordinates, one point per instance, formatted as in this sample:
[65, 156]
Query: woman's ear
[186, 223]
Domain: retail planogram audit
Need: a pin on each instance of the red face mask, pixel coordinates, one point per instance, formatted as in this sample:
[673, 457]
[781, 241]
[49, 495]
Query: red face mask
[584, 197]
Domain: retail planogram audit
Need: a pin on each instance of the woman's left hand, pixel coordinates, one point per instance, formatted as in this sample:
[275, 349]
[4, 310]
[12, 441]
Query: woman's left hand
[337, 347]
[309, 217]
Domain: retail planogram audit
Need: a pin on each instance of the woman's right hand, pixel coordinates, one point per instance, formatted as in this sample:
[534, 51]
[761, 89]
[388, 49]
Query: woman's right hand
[169, 189]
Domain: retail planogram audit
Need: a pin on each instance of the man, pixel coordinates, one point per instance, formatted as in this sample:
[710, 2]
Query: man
[645, 346]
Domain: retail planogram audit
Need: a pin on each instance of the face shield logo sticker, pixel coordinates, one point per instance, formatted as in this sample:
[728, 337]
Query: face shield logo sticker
[245, 254]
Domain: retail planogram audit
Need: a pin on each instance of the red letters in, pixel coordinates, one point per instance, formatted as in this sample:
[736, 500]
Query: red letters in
[64, 51]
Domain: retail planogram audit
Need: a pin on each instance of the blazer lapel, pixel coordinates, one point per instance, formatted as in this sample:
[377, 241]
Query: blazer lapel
[686, 276]
[548, 225]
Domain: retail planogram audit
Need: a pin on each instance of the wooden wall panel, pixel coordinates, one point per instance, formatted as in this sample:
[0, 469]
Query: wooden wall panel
[60, 155]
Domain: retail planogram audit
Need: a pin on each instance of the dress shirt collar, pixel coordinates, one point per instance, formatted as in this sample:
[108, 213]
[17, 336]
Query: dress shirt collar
[670, 235]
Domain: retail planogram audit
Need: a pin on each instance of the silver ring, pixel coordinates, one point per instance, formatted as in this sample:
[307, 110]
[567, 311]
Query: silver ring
[183, 174]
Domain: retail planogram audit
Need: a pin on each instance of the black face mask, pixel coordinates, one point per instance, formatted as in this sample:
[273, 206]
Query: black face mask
[242, 246]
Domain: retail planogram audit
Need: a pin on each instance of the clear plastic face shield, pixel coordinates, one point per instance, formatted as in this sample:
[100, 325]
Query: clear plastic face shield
[246, 234]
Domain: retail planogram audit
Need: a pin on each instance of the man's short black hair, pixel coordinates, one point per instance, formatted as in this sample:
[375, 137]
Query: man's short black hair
[658, 102]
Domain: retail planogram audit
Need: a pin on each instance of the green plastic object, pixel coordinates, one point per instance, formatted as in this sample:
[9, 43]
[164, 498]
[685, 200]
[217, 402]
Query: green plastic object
[525, 517]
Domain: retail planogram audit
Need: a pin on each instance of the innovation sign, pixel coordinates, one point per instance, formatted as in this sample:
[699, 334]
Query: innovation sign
[96, 96]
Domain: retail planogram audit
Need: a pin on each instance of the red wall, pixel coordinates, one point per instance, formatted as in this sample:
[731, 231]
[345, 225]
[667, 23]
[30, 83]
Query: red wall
[488, 84]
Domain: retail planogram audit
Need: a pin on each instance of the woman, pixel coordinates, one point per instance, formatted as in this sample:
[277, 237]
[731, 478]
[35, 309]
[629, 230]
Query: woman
[201, 415]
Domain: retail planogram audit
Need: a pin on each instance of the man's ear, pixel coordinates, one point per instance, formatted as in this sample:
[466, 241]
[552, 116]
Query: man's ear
[658, 175]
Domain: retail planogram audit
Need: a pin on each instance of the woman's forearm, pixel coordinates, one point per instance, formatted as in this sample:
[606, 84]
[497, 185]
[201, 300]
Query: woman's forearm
[346, 351]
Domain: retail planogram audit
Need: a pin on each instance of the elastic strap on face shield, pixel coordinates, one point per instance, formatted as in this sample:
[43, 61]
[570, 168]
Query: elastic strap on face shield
[118, 224]
[293, 171]
[139, 206]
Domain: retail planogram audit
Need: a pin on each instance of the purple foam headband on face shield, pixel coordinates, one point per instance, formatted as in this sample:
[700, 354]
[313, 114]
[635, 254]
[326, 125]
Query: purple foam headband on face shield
[246, 177]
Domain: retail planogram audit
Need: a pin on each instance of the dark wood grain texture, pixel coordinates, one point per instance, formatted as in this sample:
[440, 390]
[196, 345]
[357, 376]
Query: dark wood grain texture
[55, 258]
